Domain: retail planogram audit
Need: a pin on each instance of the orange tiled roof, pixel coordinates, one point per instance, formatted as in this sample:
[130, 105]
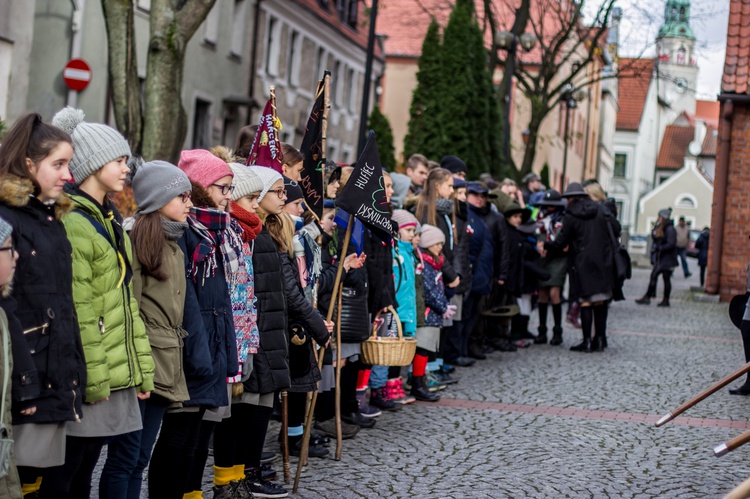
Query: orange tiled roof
[634, 80]
[674, 147]
[708, 148]
[737, 59]
[708, 111]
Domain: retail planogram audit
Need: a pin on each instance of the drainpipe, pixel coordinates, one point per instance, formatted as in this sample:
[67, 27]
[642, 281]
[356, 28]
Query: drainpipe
[716, 241]
[75, 42]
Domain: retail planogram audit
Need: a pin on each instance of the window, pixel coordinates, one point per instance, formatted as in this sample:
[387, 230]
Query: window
[687, 201]
[621, 162]
[619, 205]
[144, 5]
[353, 77]
[320, 64]
[202, 125]
[347, 10]
[239, 23]
[211, 29]
[272, 46]
[293, 61]
[337, 83]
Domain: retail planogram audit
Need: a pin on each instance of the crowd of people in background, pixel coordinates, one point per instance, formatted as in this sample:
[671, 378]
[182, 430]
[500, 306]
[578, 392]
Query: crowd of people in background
[178, 327]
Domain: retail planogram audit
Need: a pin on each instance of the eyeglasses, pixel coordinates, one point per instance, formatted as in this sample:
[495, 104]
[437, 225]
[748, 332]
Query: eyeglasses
[225, 189]
[281, 192]
[10, 248]
[186, 196]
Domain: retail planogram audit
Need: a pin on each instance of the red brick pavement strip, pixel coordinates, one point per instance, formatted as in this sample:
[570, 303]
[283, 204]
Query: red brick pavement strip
[572, 412]
[681, 336]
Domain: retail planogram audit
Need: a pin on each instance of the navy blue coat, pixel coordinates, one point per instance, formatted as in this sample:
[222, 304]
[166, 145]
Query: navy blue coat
[210, 347]
[481, 254]
[702, 246]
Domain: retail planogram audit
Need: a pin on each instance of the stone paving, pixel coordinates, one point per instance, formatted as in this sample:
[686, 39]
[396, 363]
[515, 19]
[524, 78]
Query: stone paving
[547, 422]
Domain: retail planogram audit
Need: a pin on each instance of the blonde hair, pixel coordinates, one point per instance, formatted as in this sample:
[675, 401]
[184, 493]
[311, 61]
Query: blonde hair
[595, 192]
[281, 228]
[427, 199]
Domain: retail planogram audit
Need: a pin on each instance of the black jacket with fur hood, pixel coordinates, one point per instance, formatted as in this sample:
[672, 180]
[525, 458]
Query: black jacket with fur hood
[43, 291]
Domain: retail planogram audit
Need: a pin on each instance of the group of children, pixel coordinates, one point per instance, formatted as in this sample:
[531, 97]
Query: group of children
[161, 333]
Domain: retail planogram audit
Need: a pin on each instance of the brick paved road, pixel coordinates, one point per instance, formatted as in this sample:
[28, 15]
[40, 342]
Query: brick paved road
[547, 422]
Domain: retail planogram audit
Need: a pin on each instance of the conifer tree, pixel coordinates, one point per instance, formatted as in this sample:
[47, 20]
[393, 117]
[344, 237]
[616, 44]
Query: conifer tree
[425, 131]
[384, 135]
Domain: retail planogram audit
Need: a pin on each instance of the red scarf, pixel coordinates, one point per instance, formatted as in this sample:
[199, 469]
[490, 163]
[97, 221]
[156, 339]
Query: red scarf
[250, 222]
[436, 264]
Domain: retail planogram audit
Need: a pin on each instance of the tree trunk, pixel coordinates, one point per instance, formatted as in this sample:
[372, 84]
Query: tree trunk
[173, 23]
[123, 69]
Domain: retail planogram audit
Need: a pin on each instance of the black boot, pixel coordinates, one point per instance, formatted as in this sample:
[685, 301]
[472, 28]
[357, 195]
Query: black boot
[587, 319]
[745, 332]
[520, 328]
[663, 303]
[600, 328]
[541, 338]
[420, 392]
[645, 300]
[556, 336]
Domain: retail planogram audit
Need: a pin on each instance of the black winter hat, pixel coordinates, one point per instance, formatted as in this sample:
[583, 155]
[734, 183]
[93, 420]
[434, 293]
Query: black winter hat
[453, 164]
[293, 190]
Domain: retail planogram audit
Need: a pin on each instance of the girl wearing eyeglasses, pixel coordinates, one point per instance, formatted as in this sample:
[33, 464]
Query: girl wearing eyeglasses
[49, 368]
[162, 193]
[211, 260]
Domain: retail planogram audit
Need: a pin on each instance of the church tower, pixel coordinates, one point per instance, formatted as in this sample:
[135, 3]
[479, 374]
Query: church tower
[677, 68]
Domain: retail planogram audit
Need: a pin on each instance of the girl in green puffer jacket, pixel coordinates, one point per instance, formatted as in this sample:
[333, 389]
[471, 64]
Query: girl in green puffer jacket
[118, 355]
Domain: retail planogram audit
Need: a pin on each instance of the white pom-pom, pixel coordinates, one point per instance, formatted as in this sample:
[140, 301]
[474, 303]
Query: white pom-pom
[68, 119]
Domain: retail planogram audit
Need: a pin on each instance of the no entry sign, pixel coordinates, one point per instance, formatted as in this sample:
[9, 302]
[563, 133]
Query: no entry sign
[77, 74]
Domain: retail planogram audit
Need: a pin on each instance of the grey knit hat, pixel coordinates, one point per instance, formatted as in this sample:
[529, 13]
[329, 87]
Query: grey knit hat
[94, 144]
[666, 213]
[245, 181]
[5, 230]
[430, 235]
[156, 183]
[268, 176]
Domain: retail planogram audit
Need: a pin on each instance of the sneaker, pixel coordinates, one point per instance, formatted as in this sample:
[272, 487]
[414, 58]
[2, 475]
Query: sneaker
[445, 378]
[266, 472]
[267, 457]
[357, 419]
[328, 427]
[258, 487]
[369, 411]
[233, 490]
[295, 448]
[379, 398]
[432, 382]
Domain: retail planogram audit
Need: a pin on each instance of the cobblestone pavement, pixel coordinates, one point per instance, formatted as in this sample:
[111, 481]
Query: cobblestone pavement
[547, 422]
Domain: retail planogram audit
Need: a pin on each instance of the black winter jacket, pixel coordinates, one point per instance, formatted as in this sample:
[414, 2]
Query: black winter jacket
[43, 290]
[379, 265]
[302, 312]
[270, 364]
[464, 248]
[216, 338]
[495, 223]
[665, 248]
[590, 255]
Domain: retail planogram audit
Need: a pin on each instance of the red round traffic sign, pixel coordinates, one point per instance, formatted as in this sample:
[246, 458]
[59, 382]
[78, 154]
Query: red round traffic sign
[77, 74]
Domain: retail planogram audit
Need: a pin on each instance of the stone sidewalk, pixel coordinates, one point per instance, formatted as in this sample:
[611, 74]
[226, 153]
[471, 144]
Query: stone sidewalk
[548, 422]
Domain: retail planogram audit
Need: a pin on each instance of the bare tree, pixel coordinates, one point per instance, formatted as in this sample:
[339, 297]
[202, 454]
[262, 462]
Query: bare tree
[157, 130]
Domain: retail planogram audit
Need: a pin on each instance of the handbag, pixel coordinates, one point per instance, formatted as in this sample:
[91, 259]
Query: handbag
[621, 256]
[355, 318]
[6, 443]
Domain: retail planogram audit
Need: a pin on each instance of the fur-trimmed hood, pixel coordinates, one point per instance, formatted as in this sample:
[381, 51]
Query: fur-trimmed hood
[16, 192]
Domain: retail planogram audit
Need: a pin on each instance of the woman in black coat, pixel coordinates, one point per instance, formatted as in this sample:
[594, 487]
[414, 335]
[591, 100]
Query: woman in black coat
[49, 368]
[663, 257]
[586, 231]
[702, 246]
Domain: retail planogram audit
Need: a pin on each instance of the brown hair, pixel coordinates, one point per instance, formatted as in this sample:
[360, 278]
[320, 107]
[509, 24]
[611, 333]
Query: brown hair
[148, 243]
[245, 139]
[281, 228]
[291, 155]
[415, 160]
[425, 211]
[659, 229]
[30, 138]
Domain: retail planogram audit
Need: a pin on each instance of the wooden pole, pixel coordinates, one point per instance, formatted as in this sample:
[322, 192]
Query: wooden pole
[335, 297]
[740, 492]
[732, 444]
[285, 435]
[339, 437]
[705, 393]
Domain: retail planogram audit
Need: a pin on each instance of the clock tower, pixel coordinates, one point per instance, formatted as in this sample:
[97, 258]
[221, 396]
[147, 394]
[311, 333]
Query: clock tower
[677, 68]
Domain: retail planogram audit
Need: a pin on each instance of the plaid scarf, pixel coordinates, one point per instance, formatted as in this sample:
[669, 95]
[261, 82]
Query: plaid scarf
[213, 227]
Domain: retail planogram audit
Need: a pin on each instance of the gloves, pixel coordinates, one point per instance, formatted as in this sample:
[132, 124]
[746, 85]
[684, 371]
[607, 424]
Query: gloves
[450, 312]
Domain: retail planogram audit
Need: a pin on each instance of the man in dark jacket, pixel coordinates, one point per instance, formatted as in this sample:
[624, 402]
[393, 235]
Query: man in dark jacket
[663, 257]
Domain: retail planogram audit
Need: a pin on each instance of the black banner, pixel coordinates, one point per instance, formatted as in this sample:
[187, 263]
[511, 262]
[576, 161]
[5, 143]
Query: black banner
[311, 176]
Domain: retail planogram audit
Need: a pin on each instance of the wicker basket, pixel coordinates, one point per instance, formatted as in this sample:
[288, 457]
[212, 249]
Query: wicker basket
[380, 351]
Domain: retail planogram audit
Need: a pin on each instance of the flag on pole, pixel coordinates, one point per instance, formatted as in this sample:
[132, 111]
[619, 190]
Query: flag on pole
[358, 230]
[266, 149]
[364, 192]
[311, 176]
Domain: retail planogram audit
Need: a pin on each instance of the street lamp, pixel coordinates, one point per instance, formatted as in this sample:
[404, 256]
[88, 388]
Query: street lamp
[508, 41]
[570, 97]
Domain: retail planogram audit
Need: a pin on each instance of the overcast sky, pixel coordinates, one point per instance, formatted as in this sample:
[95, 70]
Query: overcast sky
[641, 20]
